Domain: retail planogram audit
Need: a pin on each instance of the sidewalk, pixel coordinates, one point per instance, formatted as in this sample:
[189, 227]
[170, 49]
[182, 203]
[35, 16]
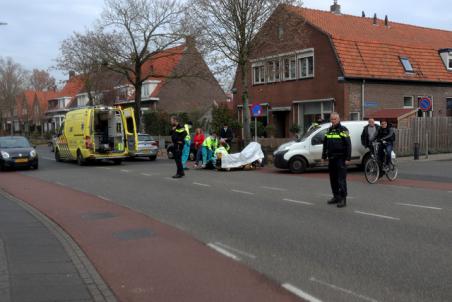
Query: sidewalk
[35, 265]
[140, 258]
[431, 157]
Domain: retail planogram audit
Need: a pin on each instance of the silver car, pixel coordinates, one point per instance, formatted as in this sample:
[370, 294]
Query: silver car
[147, 147]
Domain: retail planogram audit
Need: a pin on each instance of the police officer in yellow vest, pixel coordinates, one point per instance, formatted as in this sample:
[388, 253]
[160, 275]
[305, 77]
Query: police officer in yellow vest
[187, 145]
[337, 149]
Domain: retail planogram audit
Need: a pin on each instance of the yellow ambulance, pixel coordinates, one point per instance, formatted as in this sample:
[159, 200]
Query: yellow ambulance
[97, 133]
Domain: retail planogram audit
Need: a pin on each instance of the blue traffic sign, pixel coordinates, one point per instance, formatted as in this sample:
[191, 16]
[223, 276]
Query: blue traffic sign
[256, 110]
[425, 104]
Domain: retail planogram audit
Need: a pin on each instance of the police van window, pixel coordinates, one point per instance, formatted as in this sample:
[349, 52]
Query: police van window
[319, 137]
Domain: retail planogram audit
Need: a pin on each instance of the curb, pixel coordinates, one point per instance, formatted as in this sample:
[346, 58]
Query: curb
[91, 278]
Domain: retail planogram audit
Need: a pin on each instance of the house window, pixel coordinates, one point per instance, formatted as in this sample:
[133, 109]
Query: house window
[273, 71]
[290, 71]
[406, 64]
[408, 102]
[280, 32]
[306, 65]
[259, 73]
[449, 103]
[354, 116]
[450, 61]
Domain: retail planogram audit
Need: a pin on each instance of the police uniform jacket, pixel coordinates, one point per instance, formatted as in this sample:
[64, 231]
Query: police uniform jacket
[337, 143]
[178, 135]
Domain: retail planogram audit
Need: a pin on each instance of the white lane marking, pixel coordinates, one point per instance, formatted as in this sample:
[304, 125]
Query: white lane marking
[418, 206]
[200, 184]
[236, 250]
[146, 174]
[125, 171]
[298, 201]
[60, 183]
[274, 188]
[298, 292]
[223, 251]
[105, 168]
[104, 198]
[347, 291]
[330, 195]
[48, 158]
[377, 215]
[242, 192]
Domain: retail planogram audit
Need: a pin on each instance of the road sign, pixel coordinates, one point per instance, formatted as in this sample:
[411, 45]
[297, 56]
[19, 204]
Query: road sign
[256, 110]
[425, 104]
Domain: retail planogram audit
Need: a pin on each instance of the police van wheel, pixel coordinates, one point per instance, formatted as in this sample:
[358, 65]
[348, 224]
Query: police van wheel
[57, 155]
[80, 160]
[297, 165]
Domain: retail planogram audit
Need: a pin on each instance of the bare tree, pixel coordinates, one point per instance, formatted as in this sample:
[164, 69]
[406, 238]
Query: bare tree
[130, 32]
[41, 80]
[230, 28]
[13, 80]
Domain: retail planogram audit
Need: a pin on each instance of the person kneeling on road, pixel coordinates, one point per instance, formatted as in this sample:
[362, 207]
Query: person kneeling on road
[337, 148]
[208, 147]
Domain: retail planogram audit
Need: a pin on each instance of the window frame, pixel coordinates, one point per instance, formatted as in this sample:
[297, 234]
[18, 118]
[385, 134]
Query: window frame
[449, 61]
[447, 101]
[412, 102]
[291, 67]
[404, 61]
[260, 66]
[305, 57]
[273, 75]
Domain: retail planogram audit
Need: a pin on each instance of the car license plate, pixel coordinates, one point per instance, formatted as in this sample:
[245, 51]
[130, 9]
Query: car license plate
[21, 160]
[146, 150]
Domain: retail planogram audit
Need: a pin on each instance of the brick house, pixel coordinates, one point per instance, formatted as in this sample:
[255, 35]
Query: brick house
[310, 63]
[181, 81]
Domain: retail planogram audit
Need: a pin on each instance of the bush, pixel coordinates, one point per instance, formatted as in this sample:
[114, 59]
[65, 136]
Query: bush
[260, 129]
[295, 129]
[222, 115]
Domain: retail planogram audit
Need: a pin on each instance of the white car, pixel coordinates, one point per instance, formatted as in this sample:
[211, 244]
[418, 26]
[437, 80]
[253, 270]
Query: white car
[147, 147]
[306, 152]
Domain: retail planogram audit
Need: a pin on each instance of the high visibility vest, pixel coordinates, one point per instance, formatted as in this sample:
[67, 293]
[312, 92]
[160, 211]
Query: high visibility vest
[211, 143]
[187, 128]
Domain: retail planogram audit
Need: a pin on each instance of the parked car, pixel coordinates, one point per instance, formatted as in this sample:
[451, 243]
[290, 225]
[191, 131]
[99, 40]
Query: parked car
[147, 147]
[16, 152]
[170, 152]
[306, 152]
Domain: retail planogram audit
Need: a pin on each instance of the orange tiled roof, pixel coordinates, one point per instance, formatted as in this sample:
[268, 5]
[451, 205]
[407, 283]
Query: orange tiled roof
[370, 51]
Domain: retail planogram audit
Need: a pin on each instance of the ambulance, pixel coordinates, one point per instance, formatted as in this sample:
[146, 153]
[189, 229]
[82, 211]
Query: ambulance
[97, 133]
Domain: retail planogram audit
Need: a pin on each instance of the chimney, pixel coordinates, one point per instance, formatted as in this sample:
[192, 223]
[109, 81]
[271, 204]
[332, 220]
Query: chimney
[363, 14]
[71, 74]
[375, 19]
[386, 21]
[335, 8]
[190, 41]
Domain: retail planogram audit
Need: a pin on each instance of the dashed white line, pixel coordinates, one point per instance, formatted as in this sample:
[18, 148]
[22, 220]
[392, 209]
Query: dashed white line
[418, 206]
[201, 184]
[105, 168]
[60, 183]
[242, 192]
[104, 198]
[48, 158]
[298, 201]
[125, 171]
[344, 290]
[274, 188]
[146, 174]
[377, 215]
[223, 251]
[235, 250]
[298, 292]
[330, 195]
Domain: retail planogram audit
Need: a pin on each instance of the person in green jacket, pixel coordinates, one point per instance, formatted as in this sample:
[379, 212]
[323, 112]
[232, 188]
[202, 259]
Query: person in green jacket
[208, 147]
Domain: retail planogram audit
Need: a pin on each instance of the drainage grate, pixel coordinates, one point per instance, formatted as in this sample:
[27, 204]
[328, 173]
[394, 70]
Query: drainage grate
[98, 215]
[133, 234]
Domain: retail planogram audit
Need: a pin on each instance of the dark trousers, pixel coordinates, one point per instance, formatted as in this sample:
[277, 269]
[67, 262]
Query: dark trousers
[178, 159]
[338, 177]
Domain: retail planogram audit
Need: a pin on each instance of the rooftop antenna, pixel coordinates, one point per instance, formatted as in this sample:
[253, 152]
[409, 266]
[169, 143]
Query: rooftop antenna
[386, 21]
[375, 19]
[363, 14]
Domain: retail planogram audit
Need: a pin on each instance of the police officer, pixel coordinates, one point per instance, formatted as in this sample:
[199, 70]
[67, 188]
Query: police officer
[187, 145]
[337, 149]
[178, 137]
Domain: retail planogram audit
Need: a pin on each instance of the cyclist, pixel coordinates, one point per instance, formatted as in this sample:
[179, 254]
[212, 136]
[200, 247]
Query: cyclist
[386, 138]
[369, 134]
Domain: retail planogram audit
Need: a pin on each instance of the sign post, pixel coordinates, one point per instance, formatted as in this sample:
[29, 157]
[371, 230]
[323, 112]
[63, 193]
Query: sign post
[256, 111]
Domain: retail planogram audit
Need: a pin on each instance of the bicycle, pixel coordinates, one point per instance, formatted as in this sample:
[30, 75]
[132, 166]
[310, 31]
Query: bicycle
[374, 169]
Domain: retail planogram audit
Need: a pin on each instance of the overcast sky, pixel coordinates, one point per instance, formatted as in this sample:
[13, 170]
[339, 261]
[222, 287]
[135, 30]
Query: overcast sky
[36, 27]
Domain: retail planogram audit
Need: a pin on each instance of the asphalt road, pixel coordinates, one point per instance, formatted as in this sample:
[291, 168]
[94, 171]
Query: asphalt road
[392, 243]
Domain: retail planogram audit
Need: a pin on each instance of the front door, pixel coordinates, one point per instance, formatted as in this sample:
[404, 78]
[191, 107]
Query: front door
[130, 129]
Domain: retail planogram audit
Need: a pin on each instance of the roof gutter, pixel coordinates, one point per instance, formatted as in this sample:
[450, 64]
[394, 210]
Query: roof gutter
[394, 80]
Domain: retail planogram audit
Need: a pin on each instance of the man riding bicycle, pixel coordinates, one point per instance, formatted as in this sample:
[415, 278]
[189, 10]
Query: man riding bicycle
[385, 137]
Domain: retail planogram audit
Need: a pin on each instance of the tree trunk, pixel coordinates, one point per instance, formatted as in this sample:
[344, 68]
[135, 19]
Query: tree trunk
[137, 106]
[246, 117]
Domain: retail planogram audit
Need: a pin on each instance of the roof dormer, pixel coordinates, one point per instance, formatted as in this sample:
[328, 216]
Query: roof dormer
[446, 56]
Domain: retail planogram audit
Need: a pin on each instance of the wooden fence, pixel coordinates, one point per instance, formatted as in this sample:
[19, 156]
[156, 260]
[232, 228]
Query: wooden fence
[434, 135]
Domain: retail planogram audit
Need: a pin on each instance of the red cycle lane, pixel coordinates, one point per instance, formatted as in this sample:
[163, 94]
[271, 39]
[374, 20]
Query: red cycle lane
[140, 258]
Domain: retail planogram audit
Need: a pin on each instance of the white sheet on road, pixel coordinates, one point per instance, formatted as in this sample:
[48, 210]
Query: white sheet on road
[250, 154]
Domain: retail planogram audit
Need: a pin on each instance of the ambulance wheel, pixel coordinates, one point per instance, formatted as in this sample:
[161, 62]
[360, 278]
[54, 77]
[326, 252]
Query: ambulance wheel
[80, 160]
[297, 164]
[117, 161]
[153, 157]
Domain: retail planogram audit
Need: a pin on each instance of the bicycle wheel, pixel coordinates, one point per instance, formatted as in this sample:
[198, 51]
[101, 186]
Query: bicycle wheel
[372, 171]
[391, 174]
